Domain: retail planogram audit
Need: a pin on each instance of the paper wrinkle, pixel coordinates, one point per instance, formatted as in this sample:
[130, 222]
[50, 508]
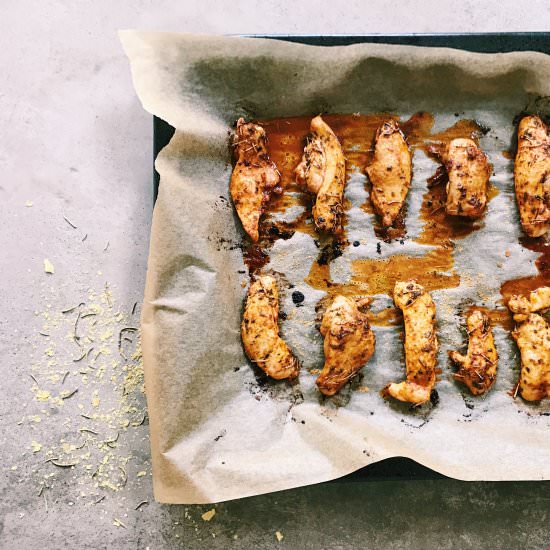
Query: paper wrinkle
[218, 430]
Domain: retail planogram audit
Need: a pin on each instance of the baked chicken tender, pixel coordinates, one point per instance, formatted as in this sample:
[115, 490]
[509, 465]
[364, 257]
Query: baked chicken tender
[390, 172]
[533, 339]
[522, 306]
[469, 171]
[532, 176]
[478, 368]
[255, 177]
[349, 344]
[421, 345]
[260, 331]
[322, 172]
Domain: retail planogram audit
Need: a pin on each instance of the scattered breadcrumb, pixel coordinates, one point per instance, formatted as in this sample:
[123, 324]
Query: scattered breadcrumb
[92, 420]
[142, 473]
[48, 266]
[28, 204]
[279, 536]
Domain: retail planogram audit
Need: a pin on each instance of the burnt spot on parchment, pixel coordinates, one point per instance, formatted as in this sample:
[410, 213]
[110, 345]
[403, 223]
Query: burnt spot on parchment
[220, 435]
[224, 244]
[343, 397]
[265, 388]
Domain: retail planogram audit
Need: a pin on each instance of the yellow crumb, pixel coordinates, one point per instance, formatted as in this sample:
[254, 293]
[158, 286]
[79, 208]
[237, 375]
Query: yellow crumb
[43, 395]
[36, 447]
[279, 536]
[95, 400]
[142, 473]
[48, 266]
[207, 516]
[107, 335]
[28, 204]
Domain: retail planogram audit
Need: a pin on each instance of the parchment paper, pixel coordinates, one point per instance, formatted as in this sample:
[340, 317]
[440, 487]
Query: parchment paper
[216, 432]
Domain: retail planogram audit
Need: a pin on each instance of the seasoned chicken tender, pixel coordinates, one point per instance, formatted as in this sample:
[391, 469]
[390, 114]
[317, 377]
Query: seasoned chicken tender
[421, 344]
[533, 340]
[532, 176]
[478, 368]
[469, 171]
[260, 331]
[323, 173]
[538, 301]
[255, 177]
[390, 172]
[349, 344]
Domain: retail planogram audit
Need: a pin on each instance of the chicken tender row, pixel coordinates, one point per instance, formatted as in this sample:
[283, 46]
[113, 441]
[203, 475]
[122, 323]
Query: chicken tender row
[322, 173]
[349, 342]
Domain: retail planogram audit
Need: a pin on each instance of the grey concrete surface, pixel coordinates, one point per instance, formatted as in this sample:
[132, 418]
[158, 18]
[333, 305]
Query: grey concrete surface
[76, 144]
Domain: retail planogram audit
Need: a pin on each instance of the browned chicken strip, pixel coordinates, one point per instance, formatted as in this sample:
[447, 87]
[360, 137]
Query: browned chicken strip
[533, 339]
[349, 344]
[421, 344]
[469, 171]
[390, 172]
[260, 331]
[478, 368]
[255, 177]
[538, 301]
[532, 176]
[323, 173]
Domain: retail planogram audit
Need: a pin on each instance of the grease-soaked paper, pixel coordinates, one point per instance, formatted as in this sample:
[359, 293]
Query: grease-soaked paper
[217, 433]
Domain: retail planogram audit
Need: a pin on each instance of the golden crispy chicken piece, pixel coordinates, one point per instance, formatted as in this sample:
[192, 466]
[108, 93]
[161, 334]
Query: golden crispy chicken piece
[390, 172]
[254, 177]
[323, 173]
[421, 344]
[532, 176]
[349, 343]
[260, 331]
[478, 368]
[533, 340]
[521, 306]
[469, 171]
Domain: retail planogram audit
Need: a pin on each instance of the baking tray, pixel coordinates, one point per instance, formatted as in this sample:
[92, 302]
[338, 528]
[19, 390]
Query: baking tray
[396, 467]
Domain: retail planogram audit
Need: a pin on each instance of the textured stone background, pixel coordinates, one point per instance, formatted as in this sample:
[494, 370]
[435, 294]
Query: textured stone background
[76, 144]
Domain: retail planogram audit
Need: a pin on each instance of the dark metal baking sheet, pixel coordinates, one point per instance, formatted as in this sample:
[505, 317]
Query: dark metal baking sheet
[397, 467]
